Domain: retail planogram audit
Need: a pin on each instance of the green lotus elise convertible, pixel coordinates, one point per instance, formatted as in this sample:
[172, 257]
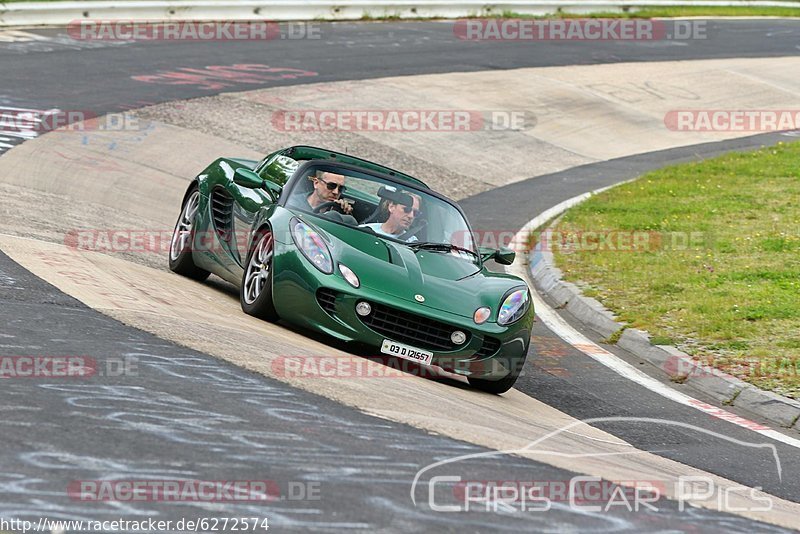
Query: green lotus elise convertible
[361, 252]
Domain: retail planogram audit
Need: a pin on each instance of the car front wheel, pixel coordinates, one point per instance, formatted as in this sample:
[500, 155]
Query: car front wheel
[255, 293]
[180, 247]
[497, 387]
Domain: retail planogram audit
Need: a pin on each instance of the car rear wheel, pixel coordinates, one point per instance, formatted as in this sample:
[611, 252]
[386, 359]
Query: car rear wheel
[180, 247]
[255, 293]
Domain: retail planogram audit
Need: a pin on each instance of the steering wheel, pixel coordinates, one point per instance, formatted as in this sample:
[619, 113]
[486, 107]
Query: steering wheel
[330, 204]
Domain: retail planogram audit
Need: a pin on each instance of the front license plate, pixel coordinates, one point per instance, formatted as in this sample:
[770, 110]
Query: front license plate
[406, 352]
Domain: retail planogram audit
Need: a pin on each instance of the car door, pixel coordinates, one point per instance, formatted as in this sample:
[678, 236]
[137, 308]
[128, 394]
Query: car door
[276, 168]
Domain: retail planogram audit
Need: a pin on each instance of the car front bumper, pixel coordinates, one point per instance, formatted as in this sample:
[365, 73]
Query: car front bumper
[296, 288]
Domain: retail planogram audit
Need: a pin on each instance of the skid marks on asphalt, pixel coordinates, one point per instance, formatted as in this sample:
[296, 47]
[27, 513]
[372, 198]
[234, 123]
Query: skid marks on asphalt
[27, 42]
[217, 77]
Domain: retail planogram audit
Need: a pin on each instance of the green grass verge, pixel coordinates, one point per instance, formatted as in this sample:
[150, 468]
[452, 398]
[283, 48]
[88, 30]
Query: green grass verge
[678, 11]
[645, 13]
[720, 273]
[675, 11]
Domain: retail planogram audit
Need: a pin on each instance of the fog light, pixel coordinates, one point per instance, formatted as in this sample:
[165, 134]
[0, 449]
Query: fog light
[364, 309]
[458, 337]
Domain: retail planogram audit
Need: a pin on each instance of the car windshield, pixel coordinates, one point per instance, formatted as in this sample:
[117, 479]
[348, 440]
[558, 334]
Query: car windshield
[393, 210]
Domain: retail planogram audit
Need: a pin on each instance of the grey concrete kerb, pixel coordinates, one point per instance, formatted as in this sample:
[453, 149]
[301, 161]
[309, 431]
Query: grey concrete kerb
[678, 365]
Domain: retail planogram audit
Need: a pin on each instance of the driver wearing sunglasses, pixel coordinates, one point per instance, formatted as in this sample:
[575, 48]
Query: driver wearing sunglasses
[328, 187]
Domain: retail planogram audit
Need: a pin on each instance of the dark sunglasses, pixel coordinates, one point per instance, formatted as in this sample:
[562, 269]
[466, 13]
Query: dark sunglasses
[409, 209]
[333, 185]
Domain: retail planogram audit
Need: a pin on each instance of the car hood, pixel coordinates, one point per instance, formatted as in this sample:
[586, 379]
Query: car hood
[450, 282]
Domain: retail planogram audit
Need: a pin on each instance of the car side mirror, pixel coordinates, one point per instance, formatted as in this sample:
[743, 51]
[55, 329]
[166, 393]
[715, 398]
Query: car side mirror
[504, 256]
[249, 179]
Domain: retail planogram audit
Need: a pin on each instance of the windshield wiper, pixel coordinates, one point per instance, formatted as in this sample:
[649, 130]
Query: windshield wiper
[444, 247]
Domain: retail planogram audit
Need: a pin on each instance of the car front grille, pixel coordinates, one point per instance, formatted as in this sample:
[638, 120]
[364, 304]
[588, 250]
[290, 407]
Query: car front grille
[489, 347]
[413, 329]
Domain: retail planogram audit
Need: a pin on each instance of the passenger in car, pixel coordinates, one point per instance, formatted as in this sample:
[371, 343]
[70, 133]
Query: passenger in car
[399, 215]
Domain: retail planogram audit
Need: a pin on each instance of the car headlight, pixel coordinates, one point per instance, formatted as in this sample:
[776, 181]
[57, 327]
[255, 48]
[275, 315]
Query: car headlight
[349, 275]
[513, 307]
[312, 246]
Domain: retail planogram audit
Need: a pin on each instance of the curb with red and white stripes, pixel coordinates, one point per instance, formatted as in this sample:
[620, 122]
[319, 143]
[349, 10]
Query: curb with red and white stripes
[726, 389]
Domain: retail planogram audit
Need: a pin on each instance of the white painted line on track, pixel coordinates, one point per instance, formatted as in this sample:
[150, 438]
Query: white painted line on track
[565, 331]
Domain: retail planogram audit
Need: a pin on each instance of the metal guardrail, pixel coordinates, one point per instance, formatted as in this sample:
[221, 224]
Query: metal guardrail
[61, 13]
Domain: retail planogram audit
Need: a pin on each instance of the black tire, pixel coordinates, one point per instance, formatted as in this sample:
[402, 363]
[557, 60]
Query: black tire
[496, 387]
[180, 247]
[255, 295]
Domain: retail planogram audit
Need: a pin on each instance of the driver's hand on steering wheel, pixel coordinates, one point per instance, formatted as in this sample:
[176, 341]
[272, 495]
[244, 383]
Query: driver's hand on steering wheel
[345, 205]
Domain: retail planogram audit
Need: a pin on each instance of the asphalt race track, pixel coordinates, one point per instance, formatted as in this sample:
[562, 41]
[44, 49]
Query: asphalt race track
[189, 416]
[70, 74]
[185, 414]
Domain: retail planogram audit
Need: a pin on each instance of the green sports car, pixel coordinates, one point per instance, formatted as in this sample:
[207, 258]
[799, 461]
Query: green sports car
[358, 251]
